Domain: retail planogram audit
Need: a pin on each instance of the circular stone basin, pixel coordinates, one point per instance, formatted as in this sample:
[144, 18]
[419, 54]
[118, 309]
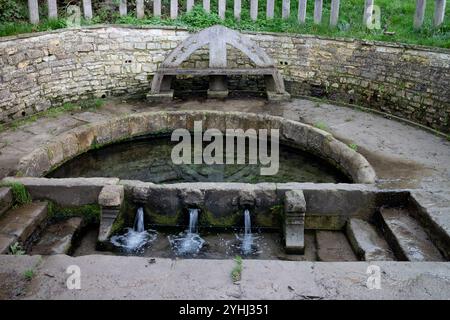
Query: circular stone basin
[149, 159]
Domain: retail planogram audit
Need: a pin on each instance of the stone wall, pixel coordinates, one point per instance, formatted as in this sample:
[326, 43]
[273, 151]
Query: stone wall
[46, 69]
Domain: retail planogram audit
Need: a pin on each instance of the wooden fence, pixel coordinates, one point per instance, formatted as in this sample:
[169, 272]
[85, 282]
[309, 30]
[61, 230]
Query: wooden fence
[438, 19]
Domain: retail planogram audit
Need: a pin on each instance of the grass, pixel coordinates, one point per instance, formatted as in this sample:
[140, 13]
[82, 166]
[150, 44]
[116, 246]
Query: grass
[396, 22]
[29, 274]
[236, 273]
[16, 249]
[353, 146]
[20, 193]
[321, 125]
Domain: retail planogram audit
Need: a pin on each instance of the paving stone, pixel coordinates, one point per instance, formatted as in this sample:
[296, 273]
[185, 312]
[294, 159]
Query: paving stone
[334, 246]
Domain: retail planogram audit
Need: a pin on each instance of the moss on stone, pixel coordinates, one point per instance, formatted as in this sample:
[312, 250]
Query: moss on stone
[90, 213]
[20, 194]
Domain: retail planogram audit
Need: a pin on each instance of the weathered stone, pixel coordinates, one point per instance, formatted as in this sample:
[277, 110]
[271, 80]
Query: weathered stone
[111, 196]
[5, 242]
[367, 243]
[21, 222]
[192, 197]
[6, 199]
[294, 224]
[294, 202]
[333, 246]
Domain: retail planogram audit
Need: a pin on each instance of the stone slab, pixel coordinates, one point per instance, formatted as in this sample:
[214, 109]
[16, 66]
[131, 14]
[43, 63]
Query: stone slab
[111, 196]
[6, 199]
[5, 242]
[407, 237]
[58, 237]
[21, 222]
[368, 244]
[334, 246]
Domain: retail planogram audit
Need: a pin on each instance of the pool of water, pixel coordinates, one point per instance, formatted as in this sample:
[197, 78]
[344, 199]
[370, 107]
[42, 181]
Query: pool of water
[149, 159]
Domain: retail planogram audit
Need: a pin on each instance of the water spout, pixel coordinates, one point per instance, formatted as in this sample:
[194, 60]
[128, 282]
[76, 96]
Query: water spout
[193, 220]
[247, 241]
[188, 242]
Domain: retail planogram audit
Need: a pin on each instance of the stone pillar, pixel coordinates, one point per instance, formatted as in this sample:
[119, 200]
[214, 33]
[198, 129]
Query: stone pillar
[140, 11]
[302, 11]
[368, 12]
[237, 9]
[189, 5]
[123, 9]
[254, 9]
[318, 7]
[334, 14]
[218, 87]
[87, 9]
[33, 11]
[439, 12]
[286, 9]
[52, 9]
[420, 13]
[207, 5]
[294, 224]
[110, 200]
[157, 8]
[270, 9]
[222, 8]
[173, 9]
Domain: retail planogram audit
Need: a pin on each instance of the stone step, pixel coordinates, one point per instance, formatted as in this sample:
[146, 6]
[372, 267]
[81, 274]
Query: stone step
[58, 237]
[18, 224]
[407, 237]
[333, 246]
[367, 243]
[6, 199]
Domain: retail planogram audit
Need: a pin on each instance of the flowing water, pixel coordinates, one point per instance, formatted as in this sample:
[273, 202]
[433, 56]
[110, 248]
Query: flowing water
[247, 245]
[188, 243]
[137, 238]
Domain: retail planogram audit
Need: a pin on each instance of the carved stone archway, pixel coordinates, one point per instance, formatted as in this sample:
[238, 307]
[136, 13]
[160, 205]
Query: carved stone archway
[217, 38]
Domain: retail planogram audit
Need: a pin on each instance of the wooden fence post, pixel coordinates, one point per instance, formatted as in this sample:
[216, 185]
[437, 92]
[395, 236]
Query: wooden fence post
[318, 7]
[173, 9]
[33, 11]
[270, 9]
[334, 14]
[52, 9]
[123, 8]
[207, 6]
[157, 8]
[237, 9]
[302, 11]
[140, 11]
[254, 9]
[420, 13]
[286, 9]
[189, 5]
[439, 12]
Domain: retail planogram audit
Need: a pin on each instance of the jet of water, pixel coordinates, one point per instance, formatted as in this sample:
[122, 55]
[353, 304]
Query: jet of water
[247, 222]
[193, 220]
[139, 221]
[247, 241]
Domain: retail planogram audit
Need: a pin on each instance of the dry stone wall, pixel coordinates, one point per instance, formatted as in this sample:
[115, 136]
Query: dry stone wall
[42, 70]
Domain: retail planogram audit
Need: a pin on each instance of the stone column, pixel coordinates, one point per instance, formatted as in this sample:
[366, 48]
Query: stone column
[218, 87]
[439, 12]
[254, 9]
[110, 200]
[334, 14]
[140, 11]
[189, 5]
[367, 12]
[173, 9]
[207, 5]
[52, 9]
[222, 8]
[420, 13]
[157, 8]
[294, 224]
[87, 9]
[286, 9]
[123, 9]
[237, 9]
[33, 11]
[318, 7]
[302, 11]
[270, 9]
